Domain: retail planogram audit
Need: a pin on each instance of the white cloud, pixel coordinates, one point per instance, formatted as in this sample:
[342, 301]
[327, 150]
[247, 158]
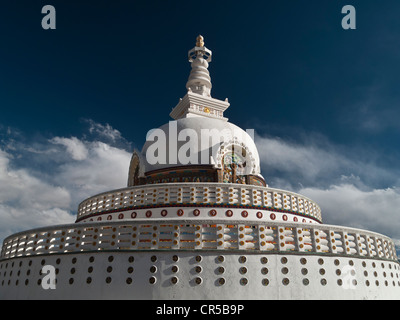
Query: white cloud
[105, 168]
[349, 186]
[18, 186]
[43, 182]
[26, 201]
[318, 163]
[75, 147]
[345, 204]
[106, 131]
[306, 161]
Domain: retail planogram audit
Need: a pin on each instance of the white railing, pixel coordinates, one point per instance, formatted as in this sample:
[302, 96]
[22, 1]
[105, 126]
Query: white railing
[292, 238]
[198, 193]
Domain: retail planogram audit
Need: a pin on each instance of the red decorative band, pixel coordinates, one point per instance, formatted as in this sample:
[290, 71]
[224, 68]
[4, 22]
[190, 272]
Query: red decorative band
[299, 214]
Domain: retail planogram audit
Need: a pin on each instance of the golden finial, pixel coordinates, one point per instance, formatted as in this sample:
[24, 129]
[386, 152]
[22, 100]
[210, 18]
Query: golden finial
[200, 41]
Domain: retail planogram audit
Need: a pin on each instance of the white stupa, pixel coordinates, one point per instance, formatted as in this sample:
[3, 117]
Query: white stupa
[198, 221]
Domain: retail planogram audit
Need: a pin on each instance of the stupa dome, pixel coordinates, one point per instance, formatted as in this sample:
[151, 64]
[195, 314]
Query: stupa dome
[199, 141]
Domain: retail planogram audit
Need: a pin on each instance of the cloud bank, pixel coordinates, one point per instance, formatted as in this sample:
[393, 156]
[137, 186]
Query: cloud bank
[349, 184]
[43, 181]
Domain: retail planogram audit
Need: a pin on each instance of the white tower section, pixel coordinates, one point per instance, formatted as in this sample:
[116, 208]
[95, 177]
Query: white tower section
[199, 79]
[198, 101]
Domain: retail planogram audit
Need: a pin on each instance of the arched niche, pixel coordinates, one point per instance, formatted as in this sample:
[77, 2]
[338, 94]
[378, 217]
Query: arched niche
[136, 169]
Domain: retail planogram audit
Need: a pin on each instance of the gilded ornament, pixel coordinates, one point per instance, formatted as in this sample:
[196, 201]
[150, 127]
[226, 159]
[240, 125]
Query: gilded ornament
[200, 41]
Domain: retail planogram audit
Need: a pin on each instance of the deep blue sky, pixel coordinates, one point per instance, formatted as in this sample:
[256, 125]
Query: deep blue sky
[286, 66]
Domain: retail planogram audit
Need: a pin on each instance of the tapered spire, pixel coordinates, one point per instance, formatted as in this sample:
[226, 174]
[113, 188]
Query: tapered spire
[198, 102]
[199, 79]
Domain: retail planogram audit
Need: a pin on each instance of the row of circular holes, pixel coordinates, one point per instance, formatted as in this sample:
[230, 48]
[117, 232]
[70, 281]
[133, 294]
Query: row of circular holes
[220, 281]
[242, 270]
[199, 258]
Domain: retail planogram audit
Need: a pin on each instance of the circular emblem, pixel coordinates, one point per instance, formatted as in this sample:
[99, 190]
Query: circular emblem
[121, 216]
[133, 215]
[284, 217]
[164, 212]
[196, 212]
[109, 217]
[272, 216]
[245, 214]
[213, 213]
[229, 213]
[180, 212]
[148, 214]
[259, 215]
